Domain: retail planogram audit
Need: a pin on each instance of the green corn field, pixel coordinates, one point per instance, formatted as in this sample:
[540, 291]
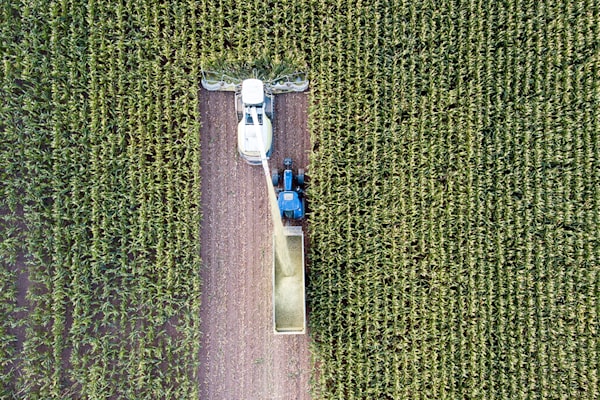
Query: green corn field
[100, 131]
[455, 200]
[453, 194]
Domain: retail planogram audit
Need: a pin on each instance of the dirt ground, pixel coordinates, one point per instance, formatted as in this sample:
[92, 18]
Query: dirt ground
[241, 357]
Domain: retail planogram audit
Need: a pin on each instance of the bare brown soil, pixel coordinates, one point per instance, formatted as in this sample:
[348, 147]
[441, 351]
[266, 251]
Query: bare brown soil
[241, 358]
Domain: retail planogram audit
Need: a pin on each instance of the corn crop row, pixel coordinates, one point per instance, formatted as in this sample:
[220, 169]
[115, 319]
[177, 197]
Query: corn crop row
[9, 235]
[102, 110]
[246, 32]
[454, 199]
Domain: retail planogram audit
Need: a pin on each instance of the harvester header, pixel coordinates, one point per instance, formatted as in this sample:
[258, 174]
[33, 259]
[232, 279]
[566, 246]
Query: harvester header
[219, 81]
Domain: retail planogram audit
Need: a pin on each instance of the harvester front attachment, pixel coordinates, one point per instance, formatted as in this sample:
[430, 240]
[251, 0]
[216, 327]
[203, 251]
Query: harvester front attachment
[289, 83]
[214, 81]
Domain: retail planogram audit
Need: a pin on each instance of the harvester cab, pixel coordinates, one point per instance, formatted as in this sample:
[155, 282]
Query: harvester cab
[253, 97]
[290, 199]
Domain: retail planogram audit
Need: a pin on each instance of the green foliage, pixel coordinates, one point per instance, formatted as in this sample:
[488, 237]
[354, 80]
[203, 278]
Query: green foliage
[454, 193]
[102, 149]
[250, 39]
[454, 199]
[265, 67]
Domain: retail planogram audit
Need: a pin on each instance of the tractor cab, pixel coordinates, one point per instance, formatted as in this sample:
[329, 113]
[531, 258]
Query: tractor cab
[291, 198]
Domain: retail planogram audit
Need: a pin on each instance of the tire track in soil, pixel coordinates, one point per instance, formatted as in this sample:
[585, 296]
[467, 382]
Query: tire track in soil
[241, 358]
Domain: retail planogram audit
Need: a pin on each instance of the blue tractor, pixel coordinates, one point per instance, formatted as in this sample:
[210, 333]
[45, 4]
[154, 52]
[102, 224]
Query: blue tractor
[291, 198]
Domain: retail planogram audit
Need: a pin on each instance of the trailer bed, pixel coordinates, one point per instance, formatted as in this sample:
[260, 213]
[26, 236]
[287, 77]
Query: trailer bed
[289, 306]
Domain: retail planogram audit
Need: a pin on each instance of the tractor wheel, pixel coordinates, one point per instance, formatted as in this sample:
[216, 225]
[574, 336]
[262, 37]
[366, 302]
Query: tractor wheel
[300, 177]
[275, 177]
